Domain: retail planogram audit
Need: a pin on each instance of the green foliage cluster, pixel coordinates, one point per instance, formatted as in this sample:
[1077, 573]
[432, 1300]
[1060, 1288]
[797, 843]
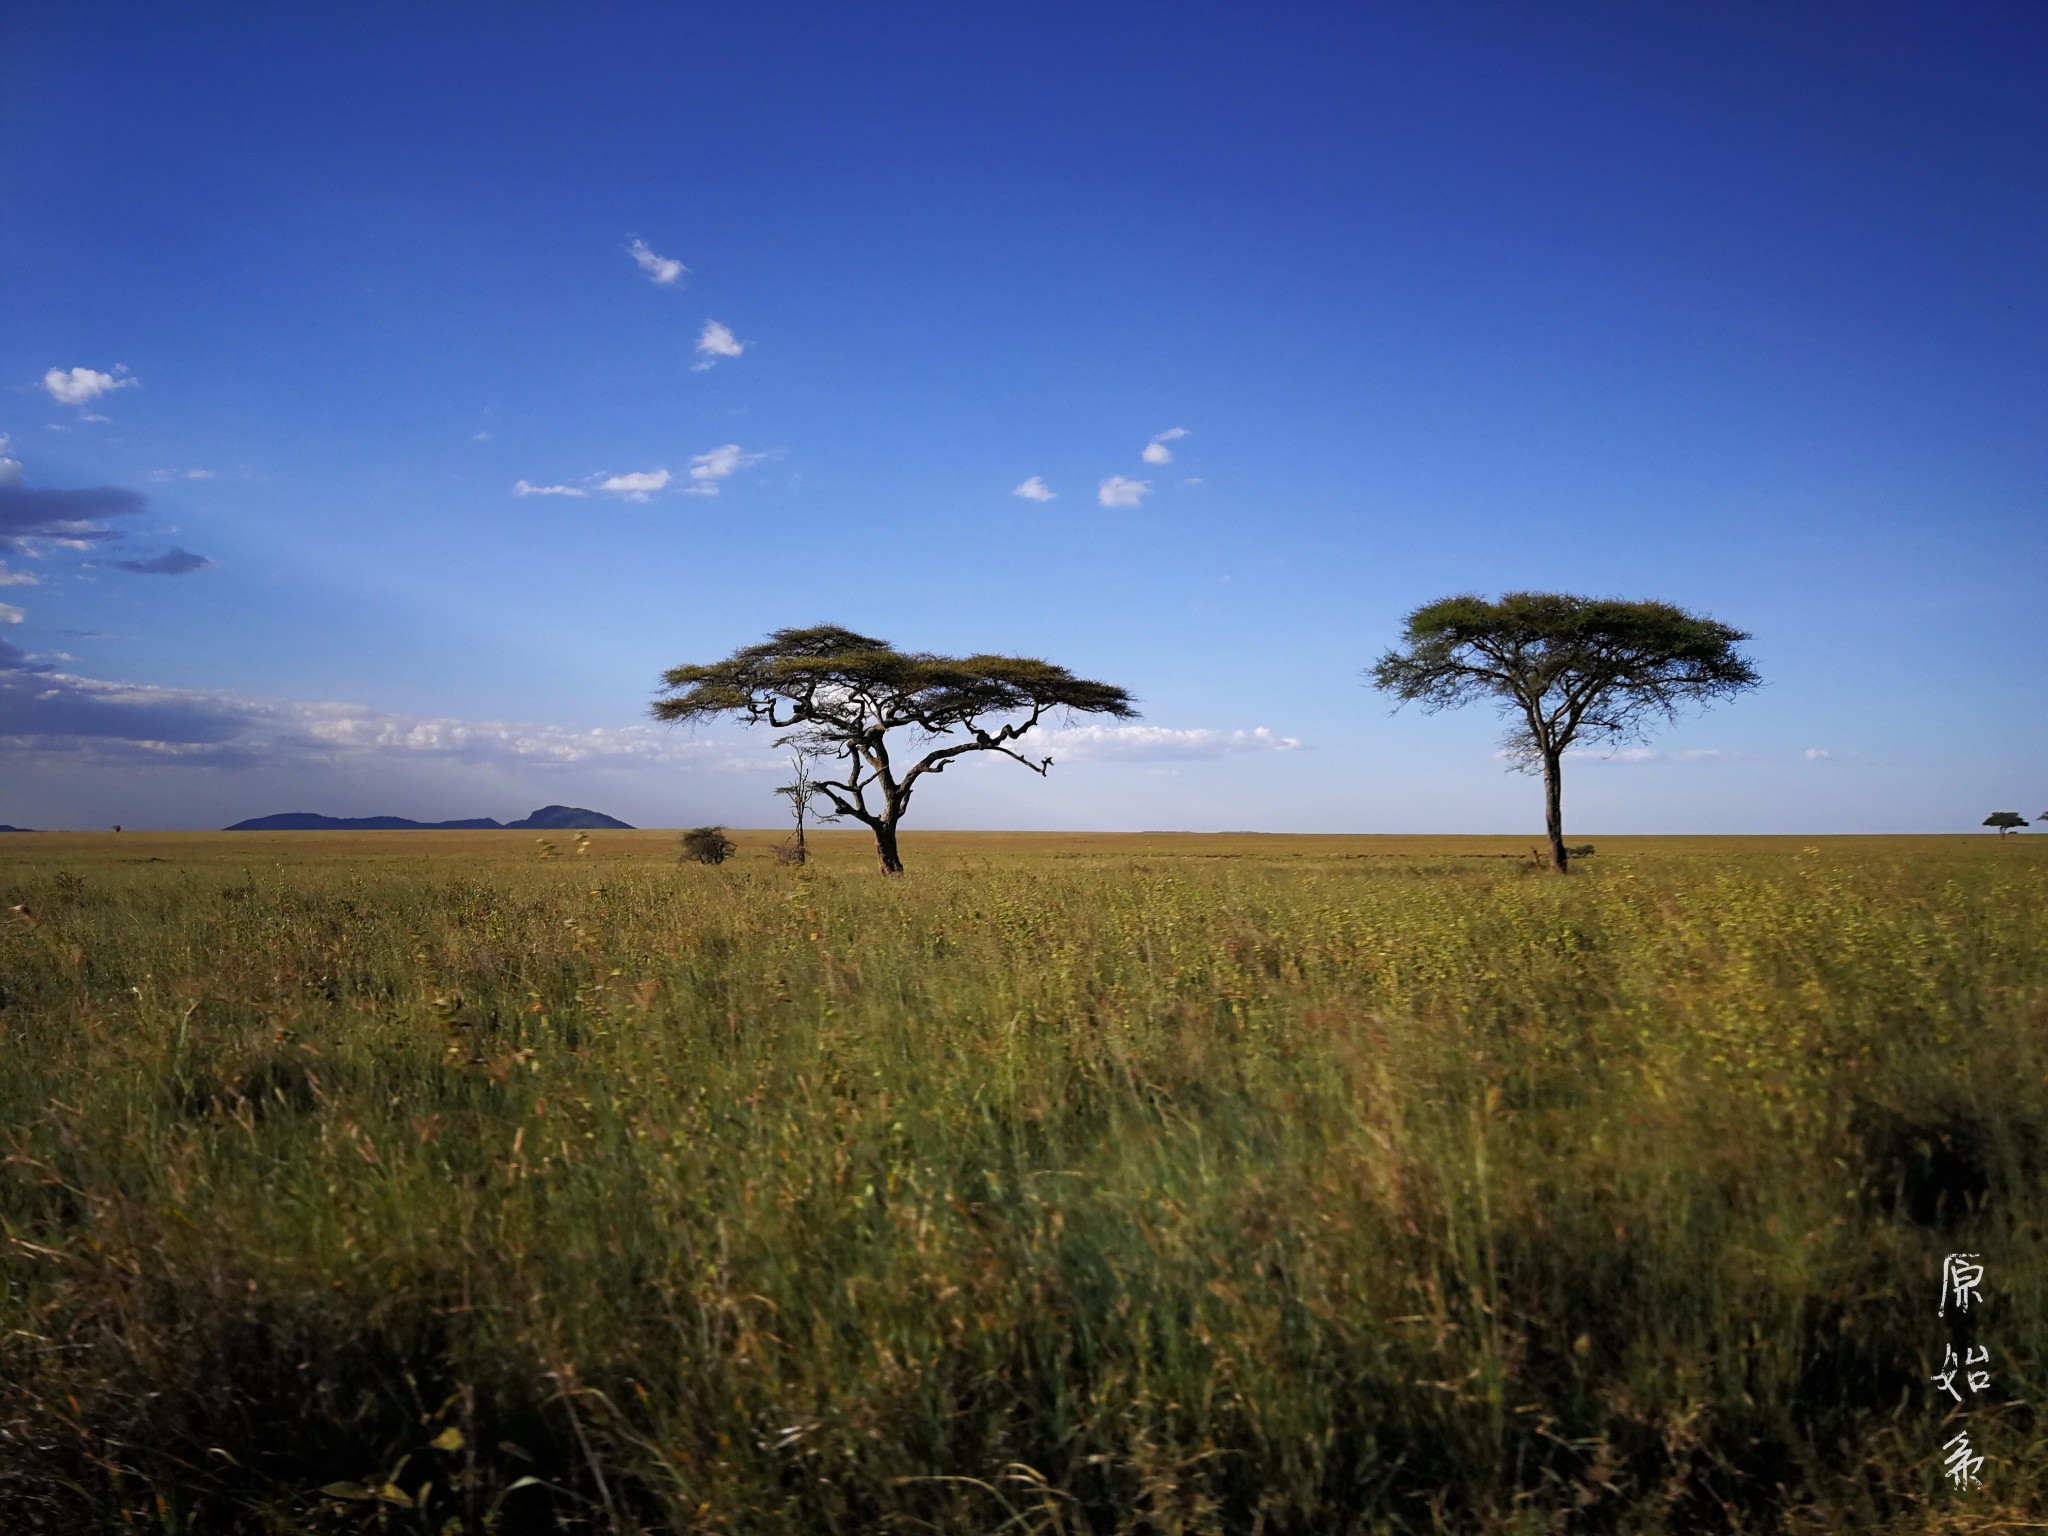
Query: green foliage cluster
[1564, 668]
[835, 677]
[1079, 1194]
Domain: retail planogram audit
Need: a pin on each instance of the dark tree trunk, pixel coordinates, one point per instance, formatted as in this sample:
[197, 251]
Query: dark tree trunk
[1553, 811]
[885, 848]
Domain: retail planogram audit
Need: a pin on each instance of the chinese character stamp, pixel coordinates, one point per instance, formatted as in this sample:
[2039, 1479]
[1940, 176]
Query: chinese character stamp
[1952, 1367]
[1961, 1278]
[1959, 1281]
[1962, 1466]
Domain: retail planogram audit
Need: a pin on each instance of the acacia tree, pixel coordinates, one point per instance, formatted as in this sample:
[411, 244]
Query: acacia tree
[1564, 670]
[2007, 821]
[839, 695]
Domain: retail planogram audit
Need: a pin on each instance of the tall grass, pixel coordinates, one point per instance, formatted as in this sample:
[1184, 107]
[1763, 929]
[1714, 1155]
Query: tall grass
[1105, 1193]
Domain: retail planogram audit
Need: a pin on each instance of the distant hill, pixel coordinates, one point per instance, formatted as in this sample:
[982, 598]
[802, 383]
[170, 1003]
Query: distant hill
[5, 828]
[570, 818]
[549, 818]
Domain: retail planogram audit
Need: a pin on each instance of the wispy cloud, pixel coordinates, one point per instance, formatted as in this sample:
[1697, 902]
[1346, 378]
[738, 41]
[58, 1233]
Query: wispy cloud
[70, 519]
[635, 487]
[1117, 491]
[10, 469]
[1638, 755]
[9, 614]
[714, 342]
[707, 469]
[54, 715]
[161, 475]
[1034, 489]
[1156, 451]
[1817, 754]
[659, 269]
[51, 715]
[1135, 743]
[172, 562]
[18, 578]
[79, 386]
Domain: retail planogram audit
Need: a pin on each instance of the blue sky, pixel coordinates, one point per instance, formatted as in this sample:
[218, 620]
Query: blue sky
[1738, 306]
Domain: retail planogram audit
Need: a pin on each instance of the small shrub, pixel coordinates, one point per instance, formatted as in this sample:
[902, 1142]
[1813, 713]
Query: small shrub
[707, 845]
[1583, 851]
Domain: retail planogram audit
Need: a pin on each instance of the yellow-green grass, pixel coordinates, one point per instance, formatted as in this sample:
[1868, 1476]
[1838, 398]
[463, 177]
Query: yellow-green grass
[1070, 1183]
[107, 851]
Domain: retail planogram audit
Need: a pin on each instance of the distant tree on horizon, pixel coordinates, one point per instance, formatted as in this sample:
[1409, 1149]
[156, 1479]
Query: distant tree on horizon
[707, 845]
[839, 694]
[2007, 821]
[1565, 670]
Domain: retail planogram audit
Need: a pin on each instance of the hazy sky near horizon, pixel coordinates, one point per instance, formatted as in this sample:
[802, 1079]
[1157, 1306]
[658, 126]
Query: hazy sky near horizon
[391, 392]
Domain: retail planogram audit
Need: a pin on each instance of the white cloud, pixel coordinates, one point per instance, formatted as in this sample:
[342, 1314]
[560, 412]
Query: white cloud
[527, 488]
[54, 715]
[161, 475]
[17, 578]
[635, 487]
[352, 729]
[1117, 491]
[714, 342]
[10, 469]
[707, 469]
[51, 714]
[1156, 451]
[480, 437]
[1817, 755]
[659, 269]
[1194, 480]
[76, 386]
[1130, 743]
[9, 614]
[1034, 489]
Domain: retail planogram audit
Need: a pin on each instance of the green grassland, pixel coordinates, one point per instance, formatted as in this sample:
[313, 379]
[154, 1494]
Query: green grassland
[1069, 1184]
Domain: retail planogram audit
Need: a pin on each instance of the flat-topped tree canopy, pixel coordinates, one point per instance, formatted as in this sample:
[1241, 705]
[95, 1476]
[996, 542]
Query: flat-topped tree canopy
[1590, 667]
[1565, 670]
[839, 693]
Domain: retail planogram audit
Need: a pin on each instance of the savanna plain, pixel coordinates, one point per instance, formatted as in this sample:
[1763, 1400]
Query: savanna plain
[448, 1182]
